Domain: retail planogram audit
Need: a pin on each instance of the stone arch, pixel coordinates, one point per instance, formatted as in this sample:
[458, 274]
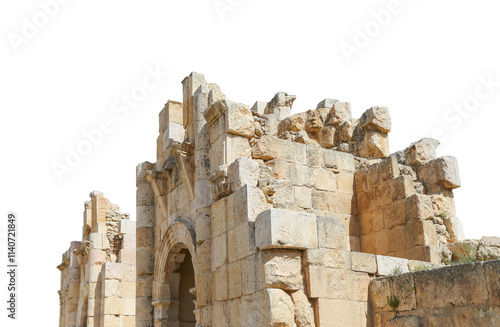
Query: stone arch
[178, 245]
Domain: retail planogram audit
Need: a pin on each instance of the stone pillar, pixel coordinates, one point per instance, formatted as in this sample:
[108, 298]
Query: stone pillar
[145, 241]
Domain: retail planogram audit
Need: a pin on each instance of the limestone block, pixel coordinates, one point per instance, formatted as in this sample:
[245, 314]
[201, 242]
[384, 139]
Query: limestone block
[280, 99]
[388, 265]
[172, 133]
[127, 226]
[345, 183]
[298, 173]
[314, 156]
[238, 117]
[282, 112]
[421, 151]
[227, 148]
[111, 270]
[233, 312]
[374, 145]
[144, 309]
[145, 216]
[111, 320]
[332, 234]
[243, 171]
[249, 202]
[278, 228]
[304, 315]
[357, 286]
[400, 286]
[303, 196]
[270, 147]
[221, 284]
[300, 152]
[402, 187]
[492, 271]
[127, 256]
[333, 203]
[394, 214]
[313, 121]
[441, 171]
[127, 290]
[202, 197]
[270, 124]
[397, 239]
[376, 119]
[250, 268]
[259, 107]
[418, 207]
[324, 180]
[329, 258]
[171, 113]
[219, 251]
[377, 220]
[340, 312]
[453, 286]
[340, 112]
[363, 262]
[275, 308]
[203, 225]
[455, 228]
[345, 130]
[324, 282]
[327, 137]
[144, 195]
[145, 261]
[204, 274]
[336, 160]
[112, 305]
[219, 217]
[234, 279]
[389, 168]
[488, 251]
[96, 240]
[241, 242]
[282, 269]
[144, 237]
[327, 103]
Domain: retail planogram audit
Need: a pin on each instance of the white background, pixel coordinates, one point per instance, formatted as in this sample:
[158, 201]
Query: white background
[63, 78]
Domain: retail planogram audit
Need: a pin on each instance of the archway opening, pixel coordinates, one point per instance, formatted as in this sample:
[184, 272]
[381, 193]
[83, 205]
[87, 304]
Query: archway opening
[186, 288]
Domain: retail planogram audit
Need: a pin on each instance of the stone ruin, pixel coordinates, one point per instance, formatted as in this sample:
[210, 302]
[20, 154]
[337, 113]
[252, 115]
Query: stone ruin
[251, 216]
[98, 274]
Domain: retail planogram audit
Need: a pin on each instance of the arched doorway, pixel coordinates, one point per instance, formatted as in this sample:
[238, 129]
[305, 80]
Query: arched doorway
[186, 286]
[174, 287]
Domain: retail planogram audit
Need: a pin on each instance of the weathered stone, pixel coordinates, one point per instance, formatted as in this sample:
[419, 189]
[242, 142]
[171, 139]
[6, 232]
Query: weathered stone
[327, 103]
[304, 316]
[282, 269]
[280, 99]
[421, 151]
[390, 265]
[374, 145]
[442, 171]
[376, 119]
[237, 118]
[340, 112]
[275, 308]
[276, 228]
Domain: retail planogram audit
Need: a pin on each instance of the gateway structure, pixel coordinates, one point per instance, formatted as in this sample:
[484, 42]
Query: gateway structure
[251, 216]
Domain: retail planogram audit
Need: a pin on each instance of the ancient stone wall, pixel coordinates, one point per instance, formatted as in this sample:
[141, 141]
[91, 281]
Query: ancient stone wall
[98, 274]
[461, 295]
[260, 218]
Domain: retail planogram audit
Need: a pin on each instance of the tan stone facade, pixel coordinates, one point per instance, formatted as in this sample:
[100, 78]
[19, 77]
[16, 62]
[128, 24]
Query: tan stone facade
[98, 274]
[251, 216]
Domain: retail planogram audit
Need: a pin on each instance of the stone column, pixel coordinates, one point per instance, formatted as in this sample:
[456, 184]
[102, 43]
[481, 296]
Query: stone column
[145, 240]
